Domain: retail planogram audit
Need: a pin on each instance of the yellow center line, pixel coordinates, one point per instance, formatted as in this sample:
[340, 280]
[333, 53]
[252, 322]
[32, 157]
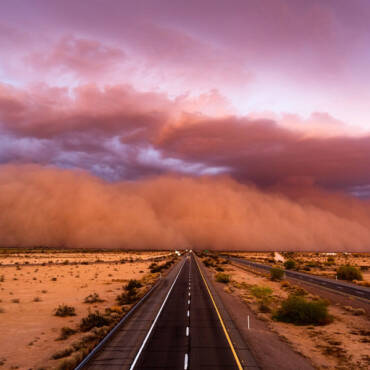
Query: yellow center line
[221, 321]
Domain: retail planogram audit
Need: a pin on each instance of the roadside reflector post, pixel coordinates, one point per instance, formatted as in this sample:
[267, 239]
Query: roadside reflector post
[248, 323]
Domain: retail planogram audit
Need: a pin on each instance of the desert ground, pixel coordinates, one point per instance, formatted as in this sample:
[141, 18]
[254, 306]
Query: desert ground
[30, 293]
[341, 344]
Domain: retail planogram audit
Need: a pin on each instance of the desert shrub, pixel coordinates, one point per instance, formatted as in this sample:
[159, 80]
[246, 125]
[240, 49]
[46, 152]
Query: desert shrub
[300, 291]
[219, 269]
[349, 273]
[222, 278]
[285, 284]
[359, 311]
[299, 311]
[66, 332]
[2, 310]
[15, 300]
[159, 268]
[208, 262]
[63, 353]
[263, 306]
[133, 284]
[37, 299]
[93, 320]
[68, 364]
[63, 310]
[93, 298]
[54, 279]
[290, 264]
[276, 273]
[2, 278]
[128, 297]
[261, 291]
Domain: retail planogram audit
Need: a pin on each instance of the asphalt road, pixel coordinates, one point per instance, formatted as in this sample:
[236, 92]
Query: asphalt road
[188, 333]
[337, 285]
[120, 351]
[177, 327]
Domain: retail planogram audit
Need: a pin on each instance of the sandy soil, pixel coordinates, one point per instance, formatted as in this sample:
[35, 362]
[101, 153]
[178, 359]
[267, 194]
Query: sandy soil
[342, 344]
[29, 295]
[73, 257]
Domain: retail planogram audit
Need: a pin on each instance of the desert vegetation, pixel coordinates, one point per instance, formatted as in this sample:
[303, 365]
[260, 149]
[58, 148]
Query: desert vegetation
[331, 335]
[322, 264]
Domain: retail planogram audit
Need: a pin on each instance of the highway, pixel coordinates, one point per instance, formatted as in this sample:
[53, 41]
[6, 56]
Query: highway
[337, 285]
[179, 327]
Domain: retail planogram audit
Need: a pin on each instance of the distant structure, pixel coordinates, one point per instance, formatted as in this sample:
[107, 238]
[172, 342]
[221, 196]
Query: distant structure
[329, 254]
[278, 257]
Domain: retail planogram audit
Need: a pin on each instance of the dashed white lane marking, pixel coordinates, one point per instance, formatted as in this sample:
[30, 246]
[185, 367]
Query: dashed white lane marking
[186, 361]
[188, 314]
[187, 331]
[189, 294]
[189, 301]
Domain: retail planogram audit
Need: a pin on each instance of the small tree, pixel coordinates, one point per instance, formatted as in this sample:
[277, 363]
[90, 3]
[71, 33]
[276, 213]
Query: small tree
[299, 311]
[289, 264]
[276, 274]
[349, 273]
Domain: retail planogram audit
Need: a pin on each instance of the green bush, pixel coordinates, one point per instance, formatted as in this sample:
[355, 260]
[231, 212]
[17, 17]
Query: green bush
[349, 273]
[261, 291]
[290, 264]
[276, 273]
[64, 310]
[93, 320]
[222, 278]
[299, 311]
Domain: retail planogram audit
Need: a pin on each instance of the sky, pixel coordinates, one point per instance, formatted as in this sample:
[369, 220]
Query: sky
[272, 94]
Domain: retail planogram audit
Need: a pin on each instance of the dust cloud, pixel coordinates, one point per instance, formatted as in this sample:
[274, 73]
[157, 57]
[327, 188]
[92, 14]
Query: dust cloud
[65, 208]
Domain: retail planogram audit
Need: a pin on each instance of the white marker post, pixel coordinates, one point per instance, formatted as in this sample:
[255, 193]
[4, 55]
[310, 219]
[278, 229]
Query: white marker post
[248, 323]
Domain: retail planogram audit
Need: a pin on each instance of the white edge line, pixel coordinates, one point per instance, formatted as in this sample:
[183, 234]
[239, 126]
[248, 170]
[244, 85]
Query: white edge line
[154, 322]
[186, 361]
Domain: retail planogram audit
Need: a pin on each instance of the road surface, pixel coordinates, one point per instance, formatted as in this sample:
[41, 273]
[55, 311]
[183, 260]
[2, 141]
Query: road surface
[178, 327]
